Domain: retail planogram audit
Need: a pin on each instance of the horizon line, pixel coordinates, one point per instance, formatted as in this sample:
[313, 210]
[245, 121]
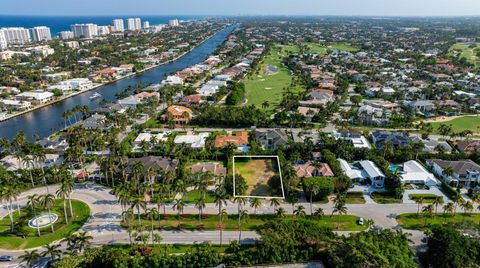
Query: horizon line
[247, 15]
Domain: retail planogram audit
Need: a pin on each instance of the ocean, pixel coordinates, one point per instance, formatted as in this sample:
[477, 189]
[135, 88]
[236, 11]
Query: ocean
[62, 23]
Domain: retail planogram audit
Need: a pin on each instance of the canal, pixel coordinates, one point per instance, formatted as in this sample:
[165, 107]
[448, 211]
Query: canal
[48, 120]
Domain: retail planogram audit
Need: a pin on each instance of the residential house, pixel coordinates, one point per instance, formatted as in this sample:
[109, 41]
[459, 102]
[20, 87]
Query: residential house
[238, 138]
[464, 172]
[35, 97]
[96, 121]
[354, 137]
[153, 139]
[364, 170]
[195, 141]
[432, 146]
[214, 168]
[310, 169]
[157, 163]
[272, 139]
[12, 163]
[421, 106]
[181, 115]
[398, 140]
[414, 173]
[468, 146]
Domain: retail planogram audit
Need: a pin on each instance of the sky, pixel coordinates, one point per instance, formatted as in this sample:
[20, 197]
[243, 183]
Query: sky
[242, 7]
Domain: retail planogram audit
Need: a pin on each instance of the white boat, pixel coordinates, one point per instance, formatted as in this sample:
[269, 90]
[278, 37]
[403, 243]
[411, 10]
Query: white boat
[96, 96]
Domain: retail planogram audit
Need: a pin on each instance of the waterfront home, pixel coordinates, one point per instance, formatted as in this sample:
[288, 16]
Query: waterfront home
[96, 121]
[16, 104]
[195, 141]
[272, 139]
[80, 84]
[12, 163]
[180, 115]
[311, 169]
[172, 80]
[238, 138]
[362, 171]
[463, 172]
[414, 173]
[35, 97]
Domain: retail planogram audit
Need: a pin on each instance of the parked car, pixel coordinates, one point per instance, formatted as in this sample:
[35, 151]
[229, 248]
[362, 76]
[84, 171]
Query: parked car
[6, 258]
[361, 221]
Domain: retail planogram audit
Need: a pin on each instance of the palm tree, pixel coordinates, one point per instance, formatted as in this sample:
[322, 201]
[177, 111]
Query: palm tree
[52, 251]
[9, 194]
[339, 207]
[152, 214]
[138, 203]
[255, 203]
[200, 205]
[242, 218]
[82, 241]
[456, 200]
[222, 215]
[428, 210]
[447, 208]
[312, 191]
[370, 223]
[47, 201]
[419, 202]
[30, 257]
[467, 208]
[220, 198]
[178, 206]
[292, 199]
[32, 203]
[319, 213]
[299, 211]
[280, 212]
[275, 203]
[437, 201]
[62, 193]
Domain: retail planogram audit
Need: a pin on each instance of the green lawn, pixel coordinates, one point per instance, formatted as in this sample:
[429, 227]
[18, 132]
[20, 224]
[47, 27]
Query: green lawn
[459, 124]
[421, 222]
[355, 198]
[317, 48]
[210, 222]
[11, 241]
[385, 198]
[427, 198]
[194, 195]
[467, 52]
[263, 87]
[257, 172]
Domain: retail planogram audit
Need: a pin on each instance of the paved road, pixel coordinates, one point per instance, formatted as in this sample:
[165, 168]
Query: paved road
[104, 224]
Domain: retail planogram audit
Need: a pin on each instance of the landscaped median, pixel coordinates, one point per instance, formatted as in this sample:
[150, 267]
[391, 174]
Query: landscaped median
[211, 222]
[414, 221]
[25, 237]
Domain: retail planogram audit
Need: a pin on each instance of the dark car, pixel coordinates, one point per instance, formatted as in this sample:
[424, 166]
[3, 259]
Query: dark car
[6, 258]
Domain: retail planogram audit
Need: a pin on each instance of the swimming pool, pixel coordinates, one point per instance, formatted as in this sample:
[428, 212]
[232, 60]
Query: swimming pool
[395, 168]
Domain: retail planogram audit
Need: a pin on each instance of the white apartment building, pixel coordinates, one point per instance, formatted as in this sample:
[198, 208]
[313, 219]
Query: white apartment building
[88, 30]
[103, 30]
[42, 51]
[3, 41]
[118, 25]
[173, 23]
[65, 35]
[40, 33]
[16, 35]
[146, 24]
[134, 24]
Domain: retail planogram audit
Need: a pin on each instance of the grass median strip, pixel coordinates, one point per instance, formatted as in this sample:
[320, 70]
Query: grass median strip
[414, 221]
[211, 222]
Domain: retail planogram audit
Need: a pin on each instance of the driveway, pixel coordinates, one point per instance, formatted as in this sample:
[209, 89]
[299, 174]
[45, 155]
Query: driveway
[432, 190]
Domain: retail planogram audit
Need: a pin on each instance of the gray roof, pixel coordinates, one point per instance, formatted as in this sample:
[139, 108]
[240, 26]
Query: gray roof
[460, 167]
[371, 169]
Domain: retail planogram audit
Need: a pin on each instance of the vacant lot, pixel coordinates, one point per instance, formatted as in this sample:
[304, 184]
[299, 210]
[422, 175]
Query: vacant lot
[257, 172]
[462, 123]
[467, 51]
[421, 221]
